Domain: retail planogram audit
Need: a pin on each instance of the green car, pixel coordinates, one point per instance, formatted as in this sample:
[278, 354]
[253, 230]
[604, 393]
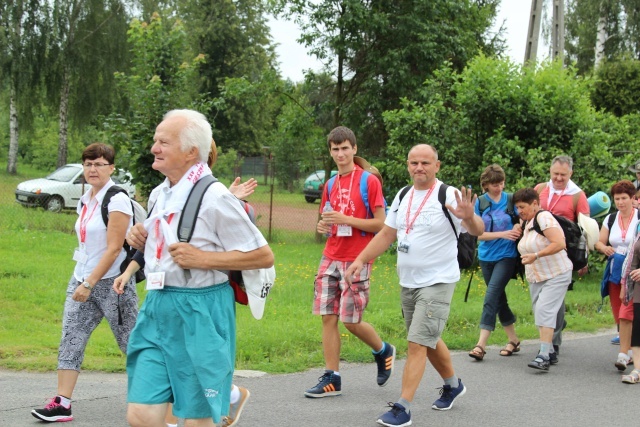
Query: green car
[313, 185]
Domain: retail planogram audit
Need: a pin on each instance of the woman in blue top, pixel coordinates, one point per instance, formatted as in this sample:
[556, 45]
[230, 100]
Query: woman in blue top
[497, 254]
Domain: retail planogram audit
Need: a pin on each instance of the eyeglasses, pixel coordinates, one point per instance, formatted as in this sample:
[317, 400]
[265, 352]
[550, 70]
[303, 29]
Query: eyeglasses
[97, 165]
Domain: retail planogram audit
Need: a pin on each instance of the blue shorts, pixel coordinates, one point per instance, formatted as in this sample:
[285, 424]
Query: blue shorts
[182, 350]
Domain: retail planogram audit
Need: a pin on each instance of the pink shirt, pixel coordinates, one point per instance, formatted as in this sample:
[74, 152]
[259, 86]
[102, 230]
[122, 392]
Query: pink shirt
[563, 205]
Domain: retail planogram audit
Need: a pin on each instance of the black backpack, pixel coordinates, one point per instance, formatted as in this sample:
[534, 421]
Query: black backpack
[466, 242]
[574, 237]
[139, 214]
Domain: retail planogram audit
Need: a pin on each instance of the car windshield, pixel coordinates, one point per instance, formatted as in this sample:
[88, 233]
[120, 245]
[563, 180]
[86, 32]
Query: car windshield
[318, 175]
[64, 174]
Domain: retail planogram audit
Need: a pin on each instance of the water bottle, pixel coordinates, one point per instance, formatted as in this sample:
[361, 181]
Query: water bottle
[327, 208]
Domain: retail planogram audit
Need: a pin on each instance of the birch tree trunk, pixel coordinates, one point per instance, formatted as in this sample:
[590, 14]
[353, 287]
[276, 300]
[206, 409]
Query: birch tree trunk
[601, 37]
[64, 119]
[12, 161]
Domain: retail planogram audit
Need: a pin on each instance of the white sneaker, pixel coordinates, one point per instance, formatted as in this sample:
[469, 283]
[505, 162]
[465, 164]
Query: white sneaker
[235, 409]
[622, 362]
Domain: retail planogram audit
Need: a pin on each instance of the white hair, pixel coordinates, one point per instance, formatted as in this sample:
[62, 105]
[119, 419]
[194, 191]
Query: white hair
[195, 133]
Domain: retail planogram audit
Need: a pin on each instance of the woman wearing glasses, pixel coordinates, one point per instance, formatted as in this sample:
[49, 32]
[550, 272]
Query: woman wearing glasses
[89, 293]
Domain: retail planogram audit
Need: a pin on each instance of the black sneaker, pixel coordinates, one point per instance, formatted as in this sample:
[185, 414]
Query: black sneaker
[385, 361]
[540, 362]
[53, 412]
[328, 385]
[553, 358]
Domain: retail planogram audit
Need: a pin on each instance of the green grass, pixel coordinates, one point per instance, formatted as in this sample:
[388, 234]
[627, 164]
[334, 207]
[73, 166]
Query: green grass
[36, 249]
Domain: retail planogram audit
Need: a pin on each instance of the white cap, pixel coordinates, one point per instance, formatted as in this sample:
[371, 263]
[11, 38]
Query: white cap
[257, 284]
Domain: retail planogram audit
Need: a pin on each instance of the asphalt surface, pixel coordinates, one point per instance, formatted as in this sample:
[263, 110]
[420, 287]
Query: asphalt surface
[584, 389]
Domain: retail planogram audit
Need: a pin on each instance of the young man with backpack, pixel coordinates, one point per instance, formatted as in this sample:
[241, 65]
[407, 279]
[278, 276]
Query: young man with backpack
[350, 226]
[561, 196]
[428, 270]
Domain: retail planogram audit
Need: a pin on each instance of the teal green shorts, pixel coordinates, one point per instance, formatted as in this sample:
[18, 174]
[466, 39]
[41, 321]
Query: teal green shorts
[182, 350]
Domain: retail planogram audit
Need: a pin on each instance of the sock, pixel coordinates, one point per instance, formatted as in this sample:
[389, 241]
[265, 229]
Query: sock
[64, 401]
[336, 373]
[630, 354]
[406, 404]
[451, 381]
[172, 425]
[545, 349]
[623, 356]
[235, 395]
[384, 347]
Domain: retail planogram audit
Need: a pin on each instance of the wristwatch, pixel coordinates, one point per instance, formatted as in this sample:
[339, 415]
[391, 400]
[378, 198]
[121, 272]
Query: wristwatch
[87, 285]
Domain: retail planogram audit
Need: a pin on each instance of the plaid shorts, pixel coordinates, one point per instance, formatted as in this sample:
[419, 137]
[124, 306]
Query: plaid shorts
[334, 296]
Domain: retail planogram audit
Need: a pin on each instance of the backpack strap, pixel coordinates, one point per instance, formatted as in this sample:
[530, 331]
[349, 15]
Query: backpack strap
[104, 208]
[330, 183]
[442, 198]
[401, 195]
[364, 192]
[484, 203]
[535, 224]
[192, 207]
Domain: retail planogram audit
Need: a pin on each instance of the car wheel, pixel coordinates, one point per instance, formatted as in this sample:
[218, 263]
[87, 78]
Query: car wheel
[54, 204]
[310, 199]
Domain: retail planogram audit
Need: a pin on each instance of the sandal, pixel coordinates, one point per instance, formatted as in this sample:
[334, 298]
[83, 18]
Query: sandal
[632, 378]
[506, 352]
[478, 355]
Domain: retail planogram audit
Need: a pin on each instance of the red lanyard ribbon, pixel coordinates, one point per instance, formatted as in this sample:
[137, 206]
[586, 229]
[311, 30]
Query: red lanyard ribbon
[160, 239]
[410, 224]
[83, 222]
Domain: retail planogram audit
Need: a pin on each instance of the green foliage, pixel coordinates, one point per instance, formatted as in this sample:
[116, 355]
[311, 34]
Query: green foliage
[161, 78]
[520, 118]
[234, 38]
[616, 87]
[382, 51]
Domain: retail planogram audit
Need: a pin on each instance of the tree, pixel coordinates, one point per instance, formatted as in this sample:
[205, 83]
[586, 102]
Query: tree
[520, 118]
[161, 78]
[234, 37]
[616, 87]
[380, 51]
[601, 30]
[88, 44]
[22, 49]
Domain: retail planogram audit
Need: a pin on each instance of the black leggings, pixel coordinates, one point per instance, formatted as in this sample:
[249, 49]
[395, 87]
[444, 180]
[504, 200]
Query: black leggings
[635, 332]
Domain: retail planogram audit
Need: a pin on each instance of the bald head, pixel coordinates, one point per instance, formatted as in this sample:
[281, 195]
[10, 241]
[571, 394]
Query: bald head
[423, 164]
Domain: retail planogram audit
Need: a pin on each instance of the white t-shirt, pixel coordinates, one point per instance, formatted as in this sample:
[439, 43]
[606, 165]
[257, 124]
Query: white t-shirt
[432, 256]
[222, 225]
[96, 240]
[615, 234]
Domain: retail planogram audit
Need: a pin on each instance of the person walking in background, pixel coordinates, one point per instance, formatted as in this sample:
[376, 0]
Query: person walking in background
[498, 254]
[630, 295]
[164, 362]
[616, 235]
[547, 267]
[561, 196]
[428, 271]
[350, 226]
[89, 296]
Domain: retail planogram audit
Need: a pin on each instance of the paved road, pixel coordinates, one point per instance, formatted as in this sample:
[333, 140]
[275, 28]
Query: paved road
[584, 389]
